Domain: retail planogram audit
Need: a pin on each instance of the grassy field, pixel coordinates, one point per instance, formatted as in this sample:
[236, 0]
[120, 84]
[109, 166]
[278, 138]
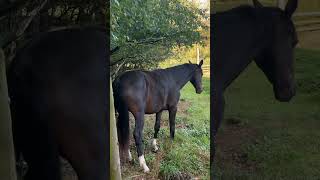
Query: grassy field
[188, 156]
[265, 139]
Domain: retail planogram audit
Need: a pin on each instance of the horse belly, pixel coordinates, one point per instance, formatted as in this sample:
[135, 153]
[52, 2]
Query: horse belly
[154, 105]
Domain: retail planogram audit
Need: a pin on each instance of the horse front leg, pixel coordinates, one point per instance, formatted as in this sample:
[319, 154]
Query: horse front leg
[218, 111]
[172, 120]
[156, 130]
[138, 137]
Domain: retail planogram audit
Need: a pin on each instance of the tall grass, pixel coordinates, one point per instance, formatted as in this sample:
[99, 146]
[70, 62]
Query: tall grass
[286, 142]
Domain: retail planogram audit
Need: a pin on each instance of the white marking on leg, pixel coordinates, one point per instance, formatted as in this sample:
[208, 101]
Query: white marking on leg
[129, 155]
[154, 145]
[143, 164]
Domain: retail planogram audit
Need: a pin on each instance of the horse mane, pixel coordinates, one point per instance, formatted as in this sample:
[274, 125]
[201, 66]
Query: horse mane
[248, 11]
[181, 66]
[242, 9]
[261, 19]
[178, 68]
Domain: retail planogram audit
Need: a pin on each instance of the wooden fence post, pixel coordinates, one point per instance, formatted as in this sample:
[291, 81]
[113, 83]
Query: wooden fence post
[115, 170]
[281, 4]
[7, 159]
[198, 54]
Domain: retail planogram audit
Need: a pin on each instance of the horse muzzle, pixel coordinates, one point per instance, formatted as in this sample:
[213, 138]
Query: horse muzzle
[285, 95]
[199, 91]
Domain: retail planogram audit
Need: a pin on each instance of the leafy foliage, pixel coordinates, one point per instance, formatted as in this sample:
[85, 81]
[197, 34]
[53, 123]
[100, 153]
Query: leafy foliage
[147, 31]
[54, 13]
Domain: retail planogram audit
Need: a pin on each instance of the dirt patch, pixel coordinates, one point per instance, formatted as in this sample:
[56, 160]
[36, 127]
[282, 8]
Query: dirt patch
[180, 176]
[309, 40]
[132, 171]
[229, 143]
[183, 107]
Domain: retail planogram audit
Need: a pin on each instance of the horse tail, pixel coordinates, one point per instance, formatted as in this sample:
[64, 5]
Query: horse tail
[122, 124]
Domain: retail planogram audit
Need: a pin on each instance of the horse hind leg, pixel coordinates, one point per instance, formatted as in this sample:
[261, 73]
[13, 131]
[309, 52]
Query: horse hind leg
[156, 130]
[138, 136]
[129, 156]
[218, 111]
[41, 154]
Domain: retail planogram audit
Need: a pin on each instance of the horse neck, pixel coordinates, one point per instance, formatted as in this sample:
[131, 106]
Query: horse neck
[181, 74]
[250, 45]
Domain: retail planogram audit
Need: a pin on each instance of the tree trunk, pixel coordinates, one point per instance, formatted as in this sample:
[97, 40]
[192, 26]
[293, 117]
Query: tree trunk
[7, 160]
[115, 170]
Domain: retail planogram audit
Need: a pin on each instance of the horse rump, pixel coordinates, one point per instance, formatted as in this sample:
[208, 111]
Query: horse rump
[123, 126]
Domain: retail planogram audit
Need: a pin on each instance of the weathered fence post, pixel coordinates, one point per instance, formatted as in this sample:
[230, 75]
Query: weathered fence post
[115, 170]
[7, 160]
[198, 54]
[281, 4]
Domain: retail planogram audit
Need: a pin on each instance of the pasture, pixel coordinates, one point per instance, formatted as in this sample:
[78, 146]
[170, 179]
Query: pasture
[188, 155]
[264, 139]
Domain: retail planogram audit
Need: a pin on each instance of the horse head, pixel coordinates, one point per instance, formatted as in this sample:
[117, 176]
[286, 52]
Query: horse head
[276, 59]
[196, 79]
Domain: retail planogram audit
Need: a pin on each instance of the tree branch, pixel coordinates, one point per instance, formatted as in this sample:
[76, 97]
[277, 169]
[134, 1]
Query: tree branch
[121, 59]
[147, 41]
[24, 25]
[118, 68]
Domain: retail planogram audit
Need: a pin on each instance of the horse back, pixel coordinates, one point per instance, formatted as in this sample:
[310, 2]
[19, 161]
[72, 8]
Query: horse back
[61, 70]
[149, 89]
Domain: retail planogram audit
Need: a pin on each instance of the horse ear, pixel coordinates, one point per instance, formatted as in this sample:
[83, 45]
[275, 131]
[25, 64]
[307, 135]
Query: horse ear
[257, 4]
[291, 7]
[190, 62]
[201, 62]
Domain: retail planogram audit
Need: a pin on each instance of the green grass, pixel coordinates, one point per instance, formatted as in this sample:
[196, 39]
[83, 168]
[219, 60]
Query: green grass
[284, 138]
[189, 153]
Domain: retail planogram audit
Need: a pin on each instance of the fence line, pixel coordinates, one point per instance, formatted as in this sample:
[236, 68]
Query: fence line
[306, 14]
[206, 70]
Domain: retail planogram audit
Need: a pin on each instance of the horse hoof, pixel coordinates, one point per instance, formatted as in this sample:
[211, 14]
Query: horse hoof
[143, 164]
[130, 160]
[129, 156]
[155, 149]
[155, 146]
[146, 170]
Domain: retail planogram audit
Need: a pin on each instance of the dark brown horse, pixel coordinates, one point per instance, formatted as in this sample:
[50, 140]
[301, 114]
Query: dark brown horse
[264, 34]
[58, 85]
[148, 92]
